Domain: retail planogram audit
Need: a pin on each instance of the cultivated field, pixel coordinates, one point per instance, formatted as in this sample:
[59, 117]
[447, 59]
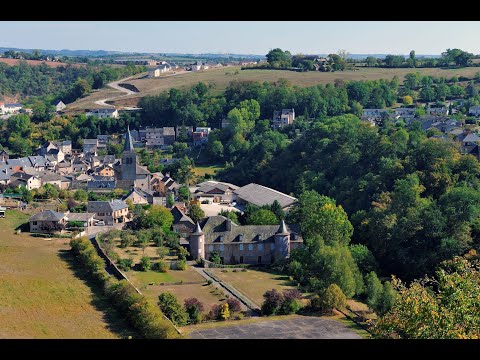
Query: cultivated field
[211, 170]
[253, 283]
[13, 62]
[221, 77]
[41, 291]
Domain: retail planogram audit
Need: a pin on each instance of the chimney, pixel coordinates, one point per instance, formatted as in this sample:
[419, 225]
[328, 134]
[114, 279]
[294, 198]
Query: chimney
[228, 225]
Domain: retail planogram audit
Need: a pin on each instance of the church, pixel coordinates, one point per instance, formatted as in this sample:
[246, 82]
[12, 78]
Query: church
[129, 173]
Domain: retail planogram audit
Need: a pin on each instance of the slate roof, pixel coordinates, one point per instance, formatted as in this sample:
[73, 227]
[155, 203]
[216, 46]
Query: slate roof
[90, 141]
[19, 162]
[215, 230]
[109, 159]
[140, 192]
[179, 215]
[142, 170]
[261, 195]
[21, 175]
[80, 216]
[128, 146]
[47, 215]
[47, 176]
[106, 206]
[471, 138]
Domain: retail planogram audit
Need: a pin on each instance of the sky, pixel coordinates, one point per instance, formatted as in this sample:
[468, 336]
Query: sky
[244, 37]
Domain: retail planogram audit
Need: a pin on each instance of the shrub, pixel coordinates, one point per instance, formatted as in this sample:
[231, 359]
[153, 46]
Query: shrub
[160, 266]
[125, 264]
[374, 290]
[214, 313]
[194, 310]
[181, 265]
[331, 298]
[145, 263]
[224, 312]
[182, 253]
[272, 303]
[234, 305]
[144, 316]
[162, 251]
[169, 305]
[209, 282]
[234, 270]
[94, 264]
[290, 303]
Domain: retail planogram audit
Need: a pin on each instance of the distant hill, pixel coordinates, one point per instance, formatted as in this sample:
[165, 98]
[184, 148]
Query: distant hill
[107, 53]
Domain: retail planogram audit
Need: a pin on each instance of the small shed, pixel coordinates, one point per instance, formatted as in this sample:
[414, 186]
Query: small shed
[2, 211]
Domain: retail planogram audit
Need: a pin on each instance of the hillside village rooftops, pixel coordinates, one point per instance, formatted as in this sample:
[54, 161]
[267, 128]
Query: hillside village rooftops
[261, 195]
[179, 215]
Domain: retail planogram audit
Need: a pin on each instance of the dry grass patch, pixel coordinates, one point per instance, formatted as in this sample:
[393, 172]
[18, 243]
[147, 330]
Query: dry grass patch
[41, 291]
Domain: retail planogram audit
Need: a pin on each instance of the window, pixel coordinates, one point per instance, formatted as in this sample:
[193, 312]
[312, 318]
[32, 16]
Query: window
[241, 259]
[34, 223]
[259, 260]
[272, 246]
[294, 236]
[241, 247]
[222, 247]
[250, 247]
[210, 247]
[259, 247]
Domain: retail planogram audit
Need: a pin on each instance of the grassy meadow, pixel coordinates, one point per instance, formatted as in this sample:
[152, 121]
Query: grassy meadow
[42, 294]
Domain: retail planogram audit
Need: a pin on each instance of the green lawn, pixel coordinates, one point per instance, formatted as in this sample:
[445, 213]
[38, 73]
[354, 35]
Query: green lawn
[145, 278]
[42, 291]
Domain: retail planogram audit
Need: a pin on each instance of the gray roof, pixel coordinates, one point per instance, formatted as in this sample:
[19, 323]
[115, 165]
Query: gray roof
[106, 206]
[215, 230]
[19, 162]
[140, 192]
[109, 159]
[21, 175]
[37, 160]
[142, 170]
[80, 216]
[179, 215]
[471, 138]
[47, 215]
[261, 195]
[13, 105]
[90, 141]
[128, 141]
[48, 176]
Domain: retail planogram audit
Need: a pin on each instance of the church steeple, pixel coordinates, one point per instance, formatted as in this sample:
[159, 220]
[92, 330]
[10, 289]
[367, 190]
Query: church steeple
[128, 147]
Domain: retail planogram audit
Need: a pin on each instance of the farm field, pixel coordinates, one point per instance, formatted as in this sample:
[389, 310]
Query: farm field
[253, 283]
[12, 62]
[221, 77]
[42, 294]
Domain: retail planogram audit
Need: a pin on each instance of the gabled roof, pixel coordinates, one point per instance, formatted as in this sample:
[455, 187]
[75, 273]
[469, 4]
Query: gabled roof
[90, 141]
[47, 215]
[179, 215]
[80, 216]
[142, 170]
[261, 195]
[106, 206]
[471, 138]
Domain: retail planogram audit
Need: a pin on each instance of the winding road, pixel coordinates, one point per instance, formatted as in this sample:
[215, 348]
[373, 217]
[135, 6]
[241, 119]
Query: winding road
[115, 85]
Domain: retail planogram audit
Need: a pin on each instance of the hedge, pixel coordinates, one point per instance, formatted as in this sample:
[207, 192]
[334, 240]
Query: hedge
[146, 318]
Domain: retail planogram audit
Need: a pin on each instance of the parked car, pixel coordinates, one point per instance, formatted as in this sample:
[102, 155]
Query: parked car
[100, 223]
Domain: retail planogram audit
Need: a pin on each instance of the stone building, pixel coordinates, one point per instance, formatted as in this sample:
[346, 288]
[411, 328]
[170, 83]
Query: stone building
[247, 244]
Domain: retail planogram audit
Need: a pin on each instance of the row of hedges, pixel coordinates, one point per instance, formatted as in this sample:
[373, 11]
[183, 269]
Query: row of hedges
[146, 318]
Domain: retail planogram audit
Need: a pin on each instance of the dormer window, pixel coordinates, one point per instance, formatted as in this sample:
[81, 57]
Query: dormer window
[240, 237]
[259, 237]
[293, 236]
[220, 238]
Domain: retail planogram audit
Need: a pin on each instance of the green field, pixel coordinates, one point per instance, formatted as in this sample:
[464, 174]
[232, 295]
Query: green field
[41, 291]
[211, 170]
[221, 77]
